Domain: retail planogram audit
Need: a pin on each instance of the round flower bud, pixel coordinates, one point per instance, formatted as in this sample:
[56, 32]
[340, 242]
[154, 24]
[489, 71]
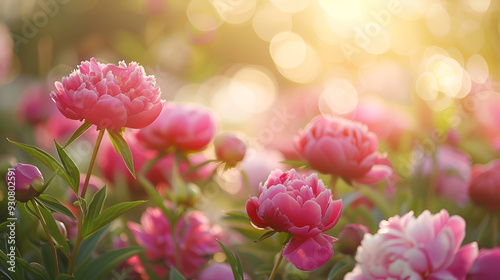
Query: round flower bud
[350, 237]
[25, 180]
[229, 148]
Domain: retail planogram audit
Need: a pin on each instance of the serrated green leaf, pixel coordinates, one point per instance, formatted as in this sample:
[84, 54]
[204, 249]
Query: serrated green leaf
[54, 205]
[95, 208]
[54, 231]
[110, 214]
[175, 275]
[233, 262]
[89, 244]
[46, 159]
[266, 235]
[103, 264]
[122, 149]
[70, 167]
[79, 131]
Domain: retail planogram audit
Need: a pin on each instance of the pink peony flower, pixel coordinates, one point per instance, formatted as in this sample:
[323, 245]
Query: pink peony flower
[426, 247]
[486, 266]
[485, 185]
[453, 168]
[302, 206]
[218, 271]
[183, 126]
[25, 180]
[229, 148]
[109, 96]
[195, 240]
[342, 147]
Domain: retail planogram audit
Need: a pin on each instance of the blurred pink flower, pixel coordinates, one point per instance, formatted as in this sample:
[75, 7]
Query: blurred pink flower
[35, 105]
[26, 180]
[184, 126]
[218, 271]
[453, 173]
[343, 147]
[302, 206]
[195, 239]
[388, 122]
[426, 247]
[109, 96]
[486, 266]
[229, 148]
[70, 224]
[59, 128]
[350, 237]
[257, 164]
[485, 185]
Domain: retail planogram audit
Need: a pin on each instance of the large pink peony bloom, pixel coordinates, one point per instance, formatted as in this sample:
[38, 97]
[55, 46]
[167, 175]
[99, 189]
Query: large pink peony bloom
[485, 185]
[342, 147]
[409, 248]
[195, 240]
[183, 126]
[109, 96]
[486, 266]
[302, 206]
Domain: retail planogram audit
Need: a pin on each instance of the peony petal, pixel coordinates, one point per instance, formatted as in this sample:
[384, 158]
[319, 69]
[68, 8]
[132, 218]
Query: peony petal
[251, 207]
[464, 259]
[309, 253]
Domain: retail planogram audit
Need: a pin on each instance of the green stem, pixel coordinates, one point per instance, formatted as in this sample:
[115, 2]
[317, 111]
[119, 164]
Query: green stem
[277, 263]
[79, 236]
[495, 228]
[49, 237]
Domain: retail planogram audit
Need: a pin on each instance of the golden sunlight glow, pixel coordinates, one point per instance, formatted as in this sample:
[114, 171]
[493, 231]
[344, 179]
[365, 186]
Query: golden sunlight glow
[338, 97]
[288, 49]
[269, 21]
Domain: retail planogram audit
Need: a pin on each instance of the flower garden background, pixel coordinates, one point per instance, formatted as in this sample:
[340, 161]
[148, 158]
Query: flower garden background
[232, 139]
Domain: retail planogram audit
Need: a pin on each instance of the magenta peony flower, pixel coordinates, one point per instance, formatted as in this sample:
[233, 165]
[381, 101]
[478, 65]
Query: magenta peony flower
[229, 148]
[195, 239]
[342, 147]
[453, 173]
[25, 180]
[486, 266]
[183, 126]
[485, 185]
[109, 96]
[426, 247]
[302, 206]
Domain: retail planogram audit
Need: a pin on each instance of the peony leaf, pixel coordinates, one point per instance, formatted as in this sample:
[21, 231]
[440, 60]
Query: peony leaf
[340, 270]
[35, 269]
[110, 214]
[53, 204]
[89, 244]
[18, 273]
[175, 275]
[70, 167]
[86, 125]
[94, 209]
[102, 265]
[266, 235]
[234, 262]
[46, 159]
[122, 149]
[48, 260]
[55, 231]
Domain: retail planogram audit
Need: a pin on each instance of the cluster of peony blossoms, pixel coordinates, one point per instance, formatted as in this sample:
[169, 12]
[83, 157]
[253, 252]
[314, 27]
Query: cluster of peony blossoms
[194, 236]
[426, 247]
[301, 206]
[109, 96]
[343, 148]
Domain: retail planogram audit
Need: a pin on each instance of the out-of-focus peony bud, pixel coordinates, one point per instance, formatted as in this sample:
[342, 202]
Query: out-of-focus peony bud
[350, 237]
[485, 185]
[25, 180]
[229, 148]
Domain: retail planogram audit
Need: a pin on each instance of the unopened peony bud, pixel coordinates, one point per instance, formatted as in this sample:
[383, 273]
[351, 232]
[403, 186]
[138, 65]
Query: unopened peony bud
[25, 180]
[486, 265]
[350, 237]
[484, 186]
[229, 148]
